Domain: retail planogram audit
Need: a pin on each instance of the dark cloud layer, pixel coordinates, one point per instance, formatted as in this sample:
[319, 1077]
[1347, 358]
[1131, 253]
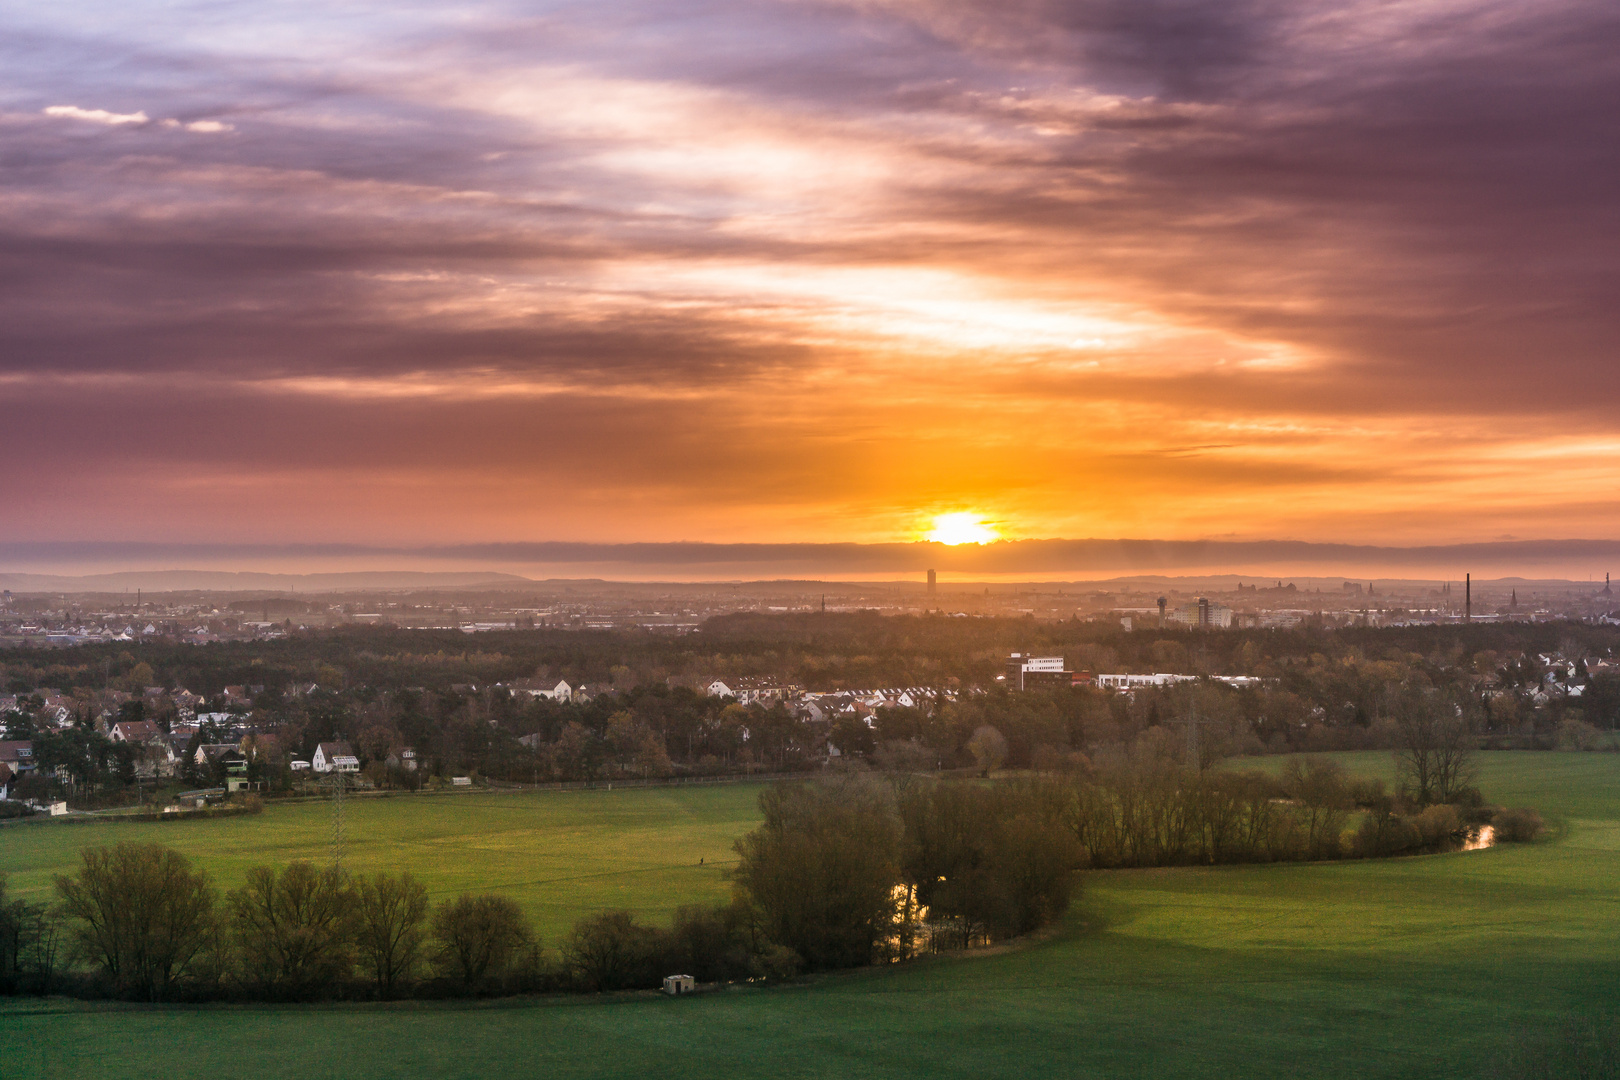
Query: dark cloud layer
[746, 269]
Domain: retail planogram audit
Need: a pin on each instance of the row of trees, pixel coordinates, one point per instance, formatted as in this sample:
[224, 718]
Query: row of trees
[151, 926]
[1150, 808]
[854, 871]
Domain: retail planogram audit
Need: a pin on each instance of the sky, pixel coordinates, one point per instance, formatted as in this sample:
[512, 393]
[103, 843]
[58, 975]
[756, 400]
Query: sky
[808, 271]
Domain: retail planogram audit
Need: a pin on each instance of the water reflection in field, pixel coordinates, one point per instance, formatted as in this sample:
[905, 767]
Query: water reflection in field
[1479, 839]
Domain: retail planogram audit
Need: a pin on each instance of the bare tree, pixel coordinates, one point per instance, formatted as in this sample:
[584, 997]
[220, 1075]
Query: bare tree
[607, 951]
[30, 939]
[479, 936]
[140, 913]
[391, 927]
[1436, 754]
[295, 928]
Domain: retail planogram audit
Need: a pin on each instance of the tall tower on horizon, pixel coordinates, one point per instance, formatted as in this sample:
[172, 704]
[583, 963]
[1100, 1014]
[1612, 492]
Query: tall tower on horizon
[1468, 597]
[933, 583]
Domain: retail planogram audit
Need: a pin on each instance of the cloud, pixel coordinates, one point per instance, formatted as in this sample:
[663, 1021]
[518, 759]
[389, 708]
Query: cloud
[202, 127]
[1327, 269]
[97, 116]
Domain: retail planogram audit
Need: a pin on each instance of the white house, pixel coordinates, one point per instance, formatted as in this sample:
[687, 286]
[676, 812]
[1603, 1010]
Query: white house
[334, 757]
[534, 688]
[718, 689]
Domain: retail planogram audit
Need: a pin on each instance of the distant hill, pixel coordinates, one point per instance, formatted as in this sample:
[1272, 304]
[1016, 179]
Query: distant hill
[228, 581]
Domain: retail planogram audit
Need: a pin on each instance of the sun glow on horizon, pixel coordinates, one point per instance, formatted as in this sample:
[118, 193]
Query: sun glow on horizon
[963, 527]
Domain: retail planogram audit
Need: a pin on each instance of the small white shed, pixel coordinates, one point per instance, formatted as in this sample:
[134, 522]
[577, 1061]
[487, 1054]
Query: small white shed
[679, 984]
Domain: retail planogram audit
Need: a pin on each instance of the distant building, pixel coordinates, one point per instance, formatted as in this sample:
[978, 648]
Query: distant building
[933, 583]
[136, 731]
[1202, 614]
[18, 755]
[334, 757]
[1026, 672]
[558, 691]
[1128, 683]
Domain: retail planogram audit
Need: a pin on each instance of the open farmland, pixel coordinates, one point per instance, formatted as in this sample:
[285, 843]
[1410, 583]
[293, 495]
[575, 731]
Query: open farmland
[1417, 967]
[560, 855]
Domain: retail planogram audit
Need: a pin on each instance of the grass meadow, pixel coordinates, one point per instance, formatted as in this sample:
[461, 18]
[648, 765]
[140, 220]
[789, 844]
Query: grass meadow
[559, 854]
[1414, 967]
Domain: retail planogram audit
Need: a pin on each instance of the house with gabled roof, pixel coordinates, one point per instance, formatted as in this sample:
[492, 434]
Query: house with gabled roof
[334, 757]
[135, 731]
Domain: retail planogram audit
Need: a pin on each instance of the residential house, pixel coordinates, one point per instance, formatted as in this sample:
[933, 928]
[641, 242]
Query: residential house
[213, 753]
[539, 688]
[334, 757]
[5, 780]
[405, 758]
[18, 755]
[135, 731]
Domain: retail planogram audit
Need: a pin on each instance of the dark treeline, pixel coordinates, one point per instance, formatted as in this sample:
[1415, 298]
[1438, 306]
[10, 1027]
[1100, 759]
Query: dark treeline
[382, 689]
[826, 651]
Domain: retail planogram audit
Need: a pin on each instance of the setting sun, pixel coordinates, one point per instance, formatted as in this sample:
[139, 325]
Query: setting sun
[962, 528]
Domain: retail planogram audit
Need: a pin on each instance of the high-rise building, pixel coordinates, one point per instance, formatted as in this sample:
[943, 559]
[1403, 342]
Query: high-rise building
[1203, 614]
[933, 583]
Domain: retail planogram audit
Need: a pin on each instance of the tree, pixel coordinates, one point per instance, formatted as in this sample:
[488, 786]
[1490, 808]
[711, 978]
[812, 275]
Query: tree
[851, 735]
[822, 869]
[1435, 752]
[608, 951]
[390, 926]
[479, 936]
[30, 936]
[989, 749]
[295, 929]
[994, 860]
[140, 914]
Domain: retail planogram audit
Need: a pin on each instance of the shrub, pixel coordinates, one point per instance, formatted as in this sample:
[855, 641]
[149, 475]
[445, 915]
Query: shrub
[1576, 734]
[1438, 825]
[1519, 825]
[1385, 833]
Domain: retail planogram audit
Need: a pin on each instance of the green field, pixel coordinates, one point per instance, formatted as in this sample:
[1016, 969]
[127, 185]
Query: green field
[1417, 967]
[559, 854]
